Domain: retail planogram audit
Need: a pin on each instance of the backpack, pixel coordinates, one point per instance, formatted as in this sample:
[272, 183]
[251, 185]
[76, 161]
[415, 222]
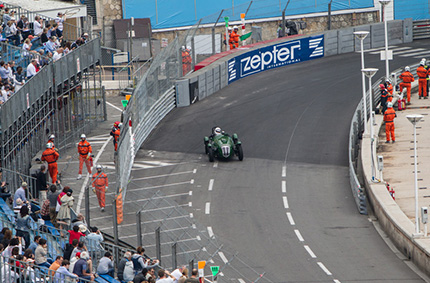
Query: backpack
[136, 264]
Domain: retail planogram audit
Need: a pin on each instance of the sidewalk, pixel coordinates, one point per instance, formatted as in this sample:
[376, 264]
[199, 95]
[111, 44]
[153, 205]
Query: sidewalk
[399, 157]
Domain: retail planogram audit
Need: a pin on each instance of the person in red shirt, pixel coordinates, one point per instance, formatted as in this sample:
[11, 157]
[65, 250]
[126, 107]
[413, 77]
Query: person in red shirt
[75, 234]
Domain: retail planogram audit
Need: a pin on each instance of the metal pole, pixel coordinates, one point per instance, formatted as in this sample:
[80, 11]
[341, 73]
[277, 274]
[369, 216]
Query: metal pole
[371, 124]
[87, 205]
[150, 41]
[158, 243]
[329, 15]
[213, 32]
[363, 84]
[174, 259]
[250, 3]
[416, 179]
[283, 24]
[115, 223]
[139, 228]
[387, 67]
[193, 55]
[191, 265]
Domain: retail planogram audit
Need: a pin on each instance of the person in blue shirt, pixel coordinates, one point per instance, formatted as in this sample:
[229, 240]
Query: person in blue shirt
[50, 46]
[20, 193]
[34, 244]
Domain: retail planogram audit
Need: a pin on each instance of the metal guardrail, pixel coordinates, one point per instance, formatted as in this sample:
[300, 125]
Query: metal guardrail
[421, 29]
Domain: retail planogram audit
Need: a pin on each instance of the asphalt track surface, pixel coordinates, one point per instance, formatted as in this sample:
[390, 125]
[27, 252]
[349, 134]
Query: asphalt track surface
[296, 116]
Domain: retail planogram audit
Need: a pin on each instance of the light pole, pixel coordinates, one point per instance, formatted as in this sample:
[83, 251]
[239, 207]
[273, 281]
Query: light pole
[370, 72]
[414, 119]
[384, 4]
[361, 35]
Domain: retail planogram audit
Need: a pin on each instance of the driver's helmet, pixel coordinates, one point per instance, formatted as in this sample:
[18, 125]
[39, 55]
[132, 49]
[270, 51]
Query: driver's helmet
[217, 131]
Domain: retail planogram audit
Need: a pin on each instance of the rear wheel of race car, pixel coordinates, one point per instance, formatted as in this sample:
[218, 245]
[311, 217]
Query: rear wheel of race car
[211, 155]
[239, 152]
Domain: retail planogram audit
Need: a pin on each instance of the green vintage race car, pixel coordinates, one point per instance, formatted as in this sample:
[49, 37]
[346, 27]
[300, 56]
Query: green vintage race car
[222, 145]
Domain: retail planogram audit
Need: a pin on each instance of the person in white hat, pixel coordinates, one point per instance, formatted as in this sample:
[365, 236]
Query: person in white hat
[20, 194]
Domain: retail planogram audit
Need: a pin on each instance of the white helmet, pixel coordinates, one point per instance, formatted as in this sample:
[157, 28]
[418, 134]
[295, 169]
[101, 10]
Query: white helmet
[49, 145]
[422, 63]
[235, 27]
[387, 80]
[189, 47]
[119, 125]
[407, 69]
[52, 136]
[229, 28]
[389, 104]
[424, 60]
[99, 166]
[83, 136]
[183, 48]
[217, 131]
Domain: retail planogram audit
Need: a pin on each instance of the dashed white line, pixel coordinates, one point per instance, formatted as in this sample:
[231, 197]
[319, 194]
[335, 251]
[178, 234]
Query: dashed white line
[190, 193]
[284, 186]
[222, 256]
[310, 252]
[208, 208]
[194, 171]
[194, 226]
[216, 164]
[284, 198]
[284, 171]
[290, 218]
[211, 184]
[198, 238]
[192, 181]
[210, 232]
[336, 281]
[299, 236]
[324, 268]
[191, 215]
[241, 280]
[190, 204]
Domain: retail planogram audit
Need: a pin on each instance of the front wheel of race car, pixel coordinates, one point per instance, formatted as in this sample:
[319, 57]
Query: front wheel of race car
[211, 155]
[239, 152]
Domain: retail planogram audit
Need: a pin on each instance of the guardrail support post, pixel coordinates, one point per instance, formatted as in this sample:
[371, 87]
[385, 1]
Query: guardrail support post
[115, 223]
[158, 244]
[87, 205]
[174, 259]
[139, 228]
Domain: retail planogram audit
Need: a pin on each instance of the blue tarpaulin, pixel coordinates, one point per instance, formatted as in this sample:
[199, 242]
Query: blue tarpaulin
[175, 13]
[417, 9]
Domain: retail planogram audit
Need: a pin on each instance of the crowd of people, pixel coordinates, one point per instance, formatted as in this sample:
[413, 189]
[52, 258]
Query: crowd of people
[41, 43]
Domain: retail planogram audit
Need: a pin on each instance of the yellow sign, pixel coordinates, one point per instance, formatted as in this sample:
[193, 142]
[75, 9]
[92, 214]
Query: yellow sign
[127, 97]
[201, 264]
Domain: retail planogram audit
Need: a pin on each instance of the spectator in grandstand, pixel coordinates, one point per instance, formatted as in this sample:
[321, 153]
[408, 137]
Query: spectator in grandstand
[193, 278]
[14, 243]
[12, 15]
[23, 27]
[67, 47]
[41, 184]
[11, 69]
[34, 244]
[59, 20]
[26, 47]
[83, 267]
[50, 46]
[177, 273]
[79, 249]
[126, 260]
[73, 260]
[40, 256]
[57, 54]
[4, 72]
[44, 38]
[69, 249]
[6, 16]
[151, 274]
[2, 233]
[53, 30]
[44, 210]
[94, 240]
[80, 220]
[78, 42]
[12, 33]
[31, 69]
[74, 233]
[52, 197]
[141, 277]
[85, 37]
[19, 79]
[165, 277]
[184, 275]
[63, 272]
[37, 26]
[2, 38]
[6, 238]
[67, 201]
[140, 260]
[20, 194]
[28, 254]
[55, 266]
[23, 225]
[106, 265]
[7, 275]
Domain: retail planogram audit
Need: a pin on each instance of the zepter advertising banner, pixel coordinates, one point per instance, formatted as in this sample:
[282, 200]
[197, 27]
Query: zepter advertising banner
[278, 55]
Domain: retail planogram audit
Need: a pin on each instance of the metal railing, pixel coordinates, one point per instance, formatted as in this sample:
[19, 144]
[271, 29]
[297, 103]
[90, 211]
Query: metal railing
[421, 29]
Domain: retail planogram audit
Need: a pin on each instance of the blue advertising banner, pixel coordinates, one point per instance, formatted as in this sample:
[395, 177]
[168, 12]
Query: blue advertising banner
[269, 57]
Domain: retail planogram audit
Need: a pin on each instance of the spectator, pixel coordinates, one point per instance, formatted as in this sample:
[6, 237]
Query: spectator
[55, 266]
[140, 262]
[83, 267]
[23, 27]
[59, 20]
[63, 272]
[41, 253]
[6, 16]
[67, 47]
[67, 201]
[11, 69]
[6, 238]
[94, 240]
[141, 277]
[20, 194]
[26, 47]
[7, 275]
[44, 60]
[41, 185]
[80, 248]
[77, 43]
[106, 265]
[44, 211]
[14, 243]
[38, 26]
[150, 274]
[4, 72]
[73, 260]
[50, 46]
[44, 38]
[28, 254]
[23, 225]
[80, 220]
[54, 30]
[75, 234]
[57, 54]
[12, 33]
[31, 69]
[34, 244]
[164, 276]
[85, 38]
[1, 35]
[184, 275]
[19, 79]
[125, 261]
[177, 273]
[194, 278]
[52, 197]
[69, 249]
[2, 233]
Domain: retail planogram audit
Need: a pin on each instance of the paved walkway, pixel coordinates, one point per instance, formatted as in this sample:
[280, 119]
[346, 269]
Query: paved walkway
[399, 157]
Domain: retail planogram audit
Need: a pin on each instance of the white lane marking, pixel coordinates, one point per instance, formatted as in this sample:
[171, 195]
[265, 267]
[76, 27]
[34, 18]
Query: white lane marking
[310, 252]
[113, 106]
[284, 171]
[146, 199]
[194, 171]
[190, 193]
[290, 218]
[194, 226]
[336, 281]
[160, 176]
[208, 208]
[324, 268]
[216, 164]
[191, 215]
[198, 238]
[192, 181]
[222, 256]
[425, 52]
[210, 232]
[299, 236]
[190, 204]
[211, 184]
[284, 186]
[241, 280]
[284, 198]
[81, 193]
